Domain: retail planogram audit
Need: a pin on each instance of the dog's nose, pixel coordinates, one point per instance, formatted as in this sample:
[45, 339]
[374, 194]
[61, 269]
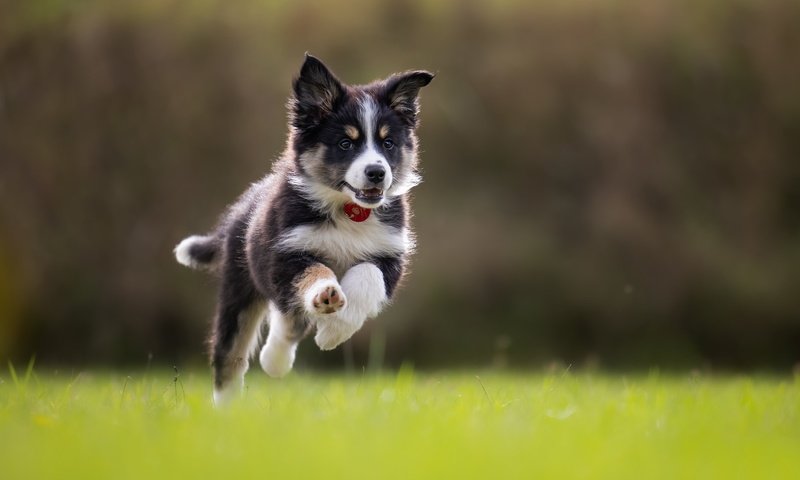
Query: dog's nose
[375, 173]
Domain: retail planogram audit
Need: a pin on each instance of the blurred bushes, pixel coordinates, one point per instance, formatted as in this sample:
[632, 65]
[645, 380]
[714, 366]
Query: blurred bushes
[613, 182]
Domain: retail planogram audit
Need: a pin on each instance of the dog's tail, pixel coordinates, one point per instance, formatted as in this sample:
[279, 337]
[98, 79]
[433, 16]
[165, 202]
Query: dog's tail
[200, 251]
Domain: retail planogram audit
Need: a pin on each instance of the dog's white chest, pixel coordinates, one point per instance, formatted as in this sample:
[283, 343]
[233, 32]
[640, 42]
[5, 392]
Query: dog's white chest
[346, 243]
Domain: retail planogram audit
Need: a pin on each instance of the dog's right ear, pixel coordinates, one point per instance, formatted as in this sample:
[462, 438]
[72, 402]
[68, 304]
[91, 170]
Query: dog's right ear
[317, 92]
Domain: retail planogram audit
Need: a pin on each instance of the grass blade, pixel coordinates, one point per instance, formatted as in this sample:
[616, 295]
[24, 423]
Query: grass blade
[13, 373]
[29, 369]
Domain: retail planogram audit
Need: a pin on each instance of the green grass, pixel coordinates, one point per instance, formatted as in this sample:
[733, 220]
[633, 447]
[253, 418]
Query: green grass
[402, 425]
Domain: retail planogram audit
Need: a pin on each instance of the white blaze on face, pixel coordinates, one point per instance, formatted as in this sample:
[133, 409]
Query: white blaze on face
[371, 155]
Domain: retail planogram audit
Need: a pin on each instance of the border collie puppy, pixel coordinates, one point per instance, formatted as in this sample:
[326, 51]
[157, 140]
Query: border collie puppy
[320, 243]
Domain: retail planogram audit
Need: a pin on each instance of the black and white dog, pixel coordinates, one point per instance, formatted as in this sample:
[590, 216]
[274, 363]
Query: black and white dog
[322, 241]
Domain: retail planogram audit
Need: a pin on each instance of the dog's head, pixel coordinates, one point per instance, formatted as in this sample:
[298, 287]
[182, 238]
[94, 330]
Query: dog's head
[355, 143]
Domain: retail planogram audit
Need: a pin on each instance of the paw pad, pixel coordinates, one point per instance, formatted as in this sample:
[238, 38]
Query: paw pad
[329, 300]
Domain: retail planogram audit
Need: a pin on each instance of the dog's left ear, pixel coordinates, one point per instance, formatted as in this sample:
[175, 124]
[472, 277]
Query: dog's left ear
[402, 91]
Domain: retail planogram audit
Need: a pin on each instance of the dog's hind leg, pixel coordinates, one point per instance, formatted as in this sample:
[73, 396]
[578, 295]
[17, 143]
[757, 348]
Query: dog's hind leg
[231, 358]
[285, 332]
[240, 313]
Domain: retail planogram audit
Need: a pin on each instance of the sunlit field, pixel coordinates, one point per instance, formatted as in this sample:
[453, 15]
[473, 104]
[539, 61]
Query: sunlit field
[399, 425]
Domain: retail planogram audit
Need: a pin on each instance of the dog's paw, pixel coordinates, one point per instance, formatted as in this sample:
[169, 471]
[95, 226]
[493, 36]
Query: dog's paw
[334, 332]
[329, 299]
[228, 392]
[277, 360]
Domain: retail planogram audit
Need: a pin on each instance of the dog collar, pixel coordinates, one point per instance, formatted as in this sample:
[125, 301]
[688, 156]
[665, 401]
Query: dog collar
[356, 213]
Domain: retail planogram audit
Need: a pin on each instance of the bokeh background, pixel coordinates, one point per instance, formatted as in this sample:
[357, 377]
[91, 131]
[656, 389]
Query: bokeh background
[610, 183]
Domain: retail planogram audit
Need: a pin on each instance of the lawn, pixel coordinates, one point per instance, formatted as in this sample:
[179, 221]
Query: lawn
[400, 425]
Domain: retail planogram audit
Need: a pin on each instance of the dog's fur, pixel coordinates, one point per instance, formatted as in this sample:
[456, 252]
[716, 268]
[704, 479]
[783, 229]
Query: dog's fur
[288, 250]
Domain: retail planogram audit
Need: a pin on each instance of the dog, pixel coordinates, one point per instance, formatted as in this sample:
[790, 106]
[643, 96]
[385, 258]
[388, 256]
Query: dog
[321, 242]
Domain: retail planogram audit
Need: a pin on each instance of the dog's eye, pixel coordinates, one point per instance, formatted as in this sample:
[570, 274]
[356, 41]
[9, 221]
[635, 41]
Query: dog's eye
[388, 144]
[345, 144]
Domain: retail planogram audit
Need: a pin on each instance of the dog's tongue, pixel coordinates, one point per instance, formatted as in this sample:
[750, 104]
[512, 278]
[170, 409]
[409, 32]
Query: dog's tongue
[356, 213]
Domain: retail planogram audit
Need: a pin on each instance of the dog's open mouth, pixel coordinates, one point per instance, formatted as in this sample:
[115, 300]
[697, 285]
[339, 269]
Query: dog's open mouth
[366, 195]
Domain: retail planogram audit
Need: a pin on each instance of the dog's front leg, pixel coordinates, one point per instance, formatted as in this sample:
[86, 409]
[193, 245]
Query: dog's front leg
[312, 292]
[367, 287]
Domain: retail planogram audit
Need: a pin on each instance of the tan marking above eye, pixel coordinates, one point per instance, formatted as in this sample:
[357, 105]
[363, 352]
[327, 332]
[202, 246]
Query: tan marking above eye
[383, 132]
[351, 132]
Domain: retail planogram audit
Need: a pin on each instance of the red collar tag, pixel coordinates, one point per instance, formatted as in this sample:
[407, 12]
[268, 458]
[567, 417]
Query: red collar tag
[356, 213]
